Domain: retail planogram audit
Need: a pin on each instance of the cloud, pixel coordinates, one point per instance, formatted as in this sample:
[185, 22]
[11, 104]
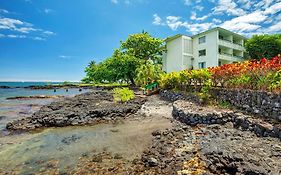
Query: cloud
[244, 23]
[215, 20]
[48, 11]
[127, 2]
[274, 28]
[2, 35]
[174, 23]
[16, 36]
[187, 2]
[243, 16]
[17, 26]
[229, 7]
[157, 20]
[48, 33]
[4, 11]
[273, 9]
[114, 1]
[194, 17]
[65, 56]
[199, 7]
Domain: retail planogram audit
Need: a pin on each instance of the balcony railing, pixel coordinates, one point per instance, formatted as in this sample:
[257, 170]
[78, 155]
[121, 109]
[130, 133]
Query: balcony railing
[224, 53]
[231, 42]
[238, 56]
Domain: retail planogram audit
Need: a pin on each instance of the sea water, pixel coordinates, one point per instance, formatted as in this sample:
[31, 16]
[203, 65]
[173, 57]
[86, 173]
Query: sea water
[13, 109]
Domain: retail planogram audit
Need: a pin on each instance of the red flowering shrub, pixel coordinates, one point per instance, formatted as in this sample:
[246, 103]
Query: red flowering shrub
[257, 75]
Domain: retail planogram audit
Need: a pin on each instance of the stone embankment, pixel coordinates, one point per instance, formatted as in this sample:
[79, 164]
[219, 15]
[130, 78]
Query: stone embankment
[88, 108]
[259, 103]
[192, 114]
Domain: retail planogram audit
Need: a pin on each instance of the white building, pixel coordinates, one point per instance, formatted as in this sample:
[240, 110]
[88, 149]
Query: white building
[213, 47]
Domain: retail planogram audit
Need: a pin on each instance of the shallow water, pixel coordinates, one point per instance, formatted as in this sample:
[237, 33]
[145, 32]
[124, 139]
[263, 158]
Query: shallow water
[13, 109]
[52, 148]
[32, 152]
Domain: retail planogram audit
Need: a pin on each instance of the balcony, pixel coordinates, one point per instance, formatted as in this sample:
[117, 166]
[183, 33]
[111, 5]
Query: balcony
[230, 57]
[230, 44]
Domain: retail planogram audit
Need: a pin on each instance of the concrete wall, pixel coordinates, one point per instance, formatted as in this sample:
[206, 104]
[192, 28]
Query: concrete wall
[174, 60]
[211, 46]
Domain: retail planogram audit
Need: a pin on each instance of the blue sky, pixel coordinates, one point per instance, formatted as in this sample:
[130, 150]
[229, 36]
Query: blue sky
[55, 39]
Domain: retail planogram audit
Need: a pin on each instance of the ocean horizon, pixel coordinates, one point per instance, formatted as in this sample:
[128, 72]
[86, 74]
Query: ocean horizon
[30, 83]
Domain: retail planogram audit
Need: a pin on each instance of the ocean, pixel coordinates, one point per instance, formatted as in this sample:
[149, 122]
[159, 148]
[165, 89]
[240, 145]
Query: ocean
[13, 109]
[26, 84]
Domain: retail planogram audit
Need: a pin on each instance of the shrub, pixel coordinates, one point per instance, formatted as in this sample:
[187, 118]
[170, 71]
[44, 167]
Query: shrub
[123, 94]
[170, 81]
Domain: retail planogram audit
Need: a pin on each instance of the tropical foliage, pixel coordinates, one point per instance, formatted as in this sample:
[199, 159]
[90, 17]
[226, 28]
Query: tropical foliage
[123, 94]
[137, 59]
[144, 47]
[148, 73]
[256, 75]
[264, 46]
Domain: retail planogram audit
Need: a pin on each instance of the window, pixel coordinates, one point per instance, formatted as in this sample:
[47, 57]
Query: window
[202, 52]
[202, 65]
[202, 39]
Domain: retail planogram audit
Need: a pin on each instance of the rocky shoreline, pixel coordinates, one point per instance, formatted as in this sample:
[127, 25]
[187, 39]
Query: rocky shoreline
[34, 97]
[202, 140]
[88, 108]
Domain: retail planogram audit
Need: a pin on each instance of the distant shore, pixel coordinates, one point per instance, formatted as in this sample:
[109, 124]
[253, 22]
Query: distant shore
[66, 86]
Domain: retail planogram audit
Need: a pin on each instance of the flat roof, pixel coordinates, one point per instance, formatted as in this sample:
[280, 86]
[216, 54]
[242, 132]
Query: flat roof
[207, 31]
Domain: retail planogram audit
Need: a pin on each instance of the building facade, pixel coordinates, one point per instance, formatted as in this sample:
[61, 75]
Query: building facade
[211, 48]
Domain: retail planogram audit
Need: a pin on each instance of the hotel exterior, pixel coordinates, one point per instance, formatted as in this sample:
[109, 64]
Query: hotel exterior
[213, 47]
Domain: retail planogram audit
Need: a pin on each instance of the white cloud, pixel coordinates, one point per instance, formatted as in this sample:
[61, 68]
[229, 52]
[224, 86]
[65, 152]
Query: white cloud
[157, 20]
[274, 28]
[114, 1]
[244, 23]
[65, 56]
[4, 11]
[174, 23]
[48, 11]
[229, 7]
[246, 17]
[2, 35]
[15, 25]
[39, 38]
[194, 17]
[199, 7]
[199, 27]
[187, 2]
[273, 9]
[16, 36]
[49, 33]
[215, 20]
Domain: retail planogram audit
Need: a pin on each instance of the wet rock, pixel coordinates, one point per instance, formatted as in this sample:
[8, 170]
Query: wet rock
[97, 158]
[80, 110]
[118, 156]
[71, 139]
[2, 117]
[151, 161]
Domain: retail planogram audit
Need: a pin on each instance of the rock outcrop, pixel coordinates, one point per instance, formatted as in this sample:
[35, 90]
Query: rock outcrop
[82, 109]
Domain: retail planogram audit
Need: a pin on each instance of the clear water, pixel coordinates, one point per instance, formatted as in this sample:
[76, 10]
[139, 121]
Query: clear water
[13, 109]
[26, 84]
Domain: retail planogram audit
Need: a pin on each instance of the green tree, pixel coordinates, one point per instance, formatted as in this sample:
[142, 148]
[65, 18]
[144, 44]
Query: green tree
[143, 46]
[138, 55]
[123, 66]
[264, 46]
[148, 73]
